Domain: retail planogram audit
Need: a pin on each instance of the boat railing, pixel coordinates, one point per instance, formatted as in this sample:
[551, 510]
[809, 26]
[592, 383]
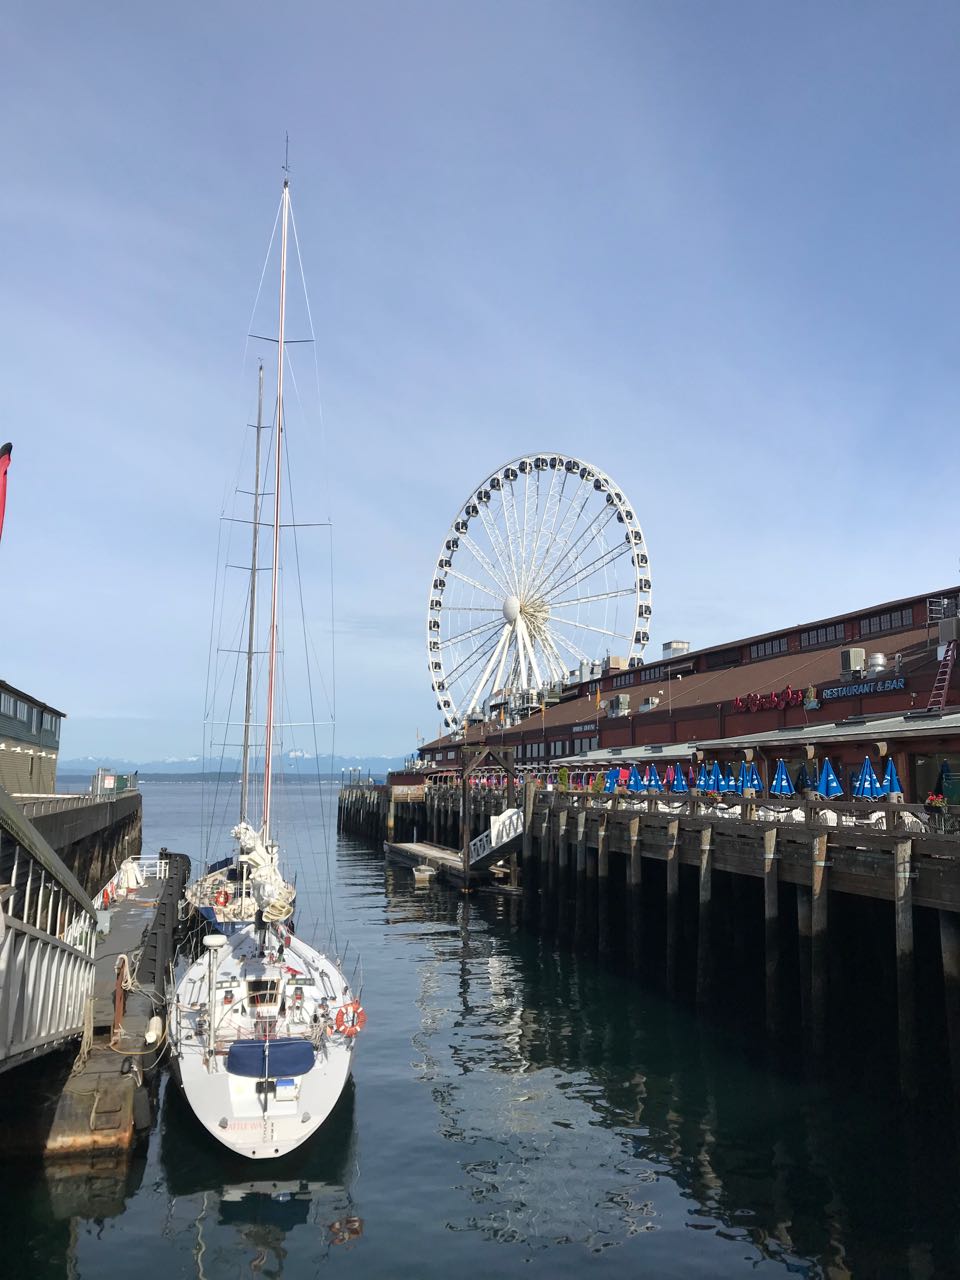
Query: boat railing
[153, 867]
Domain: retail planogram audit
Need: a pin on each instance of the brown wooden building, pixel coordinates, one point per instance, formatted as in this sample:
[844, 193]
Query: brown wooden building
[890, 665]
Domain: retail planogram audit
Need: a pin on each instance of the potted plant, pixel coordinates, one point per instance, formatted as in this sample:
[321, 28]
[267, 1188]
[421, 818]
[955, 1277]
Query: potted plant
[935, 802]
[563, 778]
[712, 797]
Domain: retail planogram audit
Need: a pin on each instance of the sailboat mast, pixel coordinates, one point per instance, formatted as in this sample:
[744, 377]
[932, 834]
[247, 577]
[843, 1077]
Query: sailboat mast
[275, 571]
[252, 620]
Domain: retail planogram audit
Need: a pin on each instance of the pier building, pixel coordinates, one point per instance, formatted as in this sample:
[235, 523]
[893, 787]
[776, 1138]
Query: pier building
[878, 679]
[29, 742]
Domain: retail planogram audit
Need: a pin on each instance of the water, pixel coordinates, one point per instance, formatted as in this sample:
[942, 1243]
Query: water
[516, 1112]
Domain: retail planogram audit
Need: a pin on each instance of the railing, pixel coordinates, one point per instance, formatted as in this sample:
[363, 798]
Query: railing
[37, 806]
[115, 890]
[47, 938]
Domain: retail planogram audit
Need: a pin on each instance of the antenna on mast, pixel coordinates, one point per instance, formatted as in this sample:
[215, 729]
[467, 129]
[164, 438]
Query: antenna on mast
[286, 154]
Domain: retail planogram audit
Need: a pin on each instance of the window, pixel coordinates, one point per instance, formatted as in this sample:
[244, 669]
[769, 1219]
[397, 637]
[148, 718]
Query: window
[823, 635]
[894, 620]
[723, 658]
[7, 704]
[768, 648]
[651, 673]
[620, 681]
[451, 755]
[23, 710]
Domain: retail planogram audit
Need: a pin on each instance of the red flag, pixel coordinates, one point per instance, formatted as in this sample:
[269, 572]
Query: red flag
[5, 453]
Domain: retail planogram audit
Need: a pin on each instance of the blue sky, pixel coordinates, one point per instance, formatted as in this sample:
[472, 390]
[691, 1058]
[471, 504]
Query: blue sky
[710, 248]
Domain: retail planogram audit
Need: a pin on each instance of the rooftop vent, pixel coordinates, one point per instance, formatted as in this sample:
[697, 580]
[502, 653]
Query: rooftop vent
[852, 660]
[673, 648]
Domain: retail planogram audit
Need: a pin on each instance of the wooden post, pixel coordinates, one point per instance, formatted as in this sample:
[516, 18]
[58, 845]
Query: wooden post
[546, 832]
[603, 887]
[580, 881]
[771, 929]
[391, 816]
[635, 891]
[950, 952]
[434, 810]
[465, 836]
[704, 921]
[528, 866]
[818, 945]
[563, 863]
[673, 900]
[903, 901]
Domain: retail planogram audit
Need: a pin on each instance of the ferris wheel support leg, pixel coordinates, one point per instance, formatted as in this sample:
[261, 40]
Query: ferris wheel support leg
[481, 683]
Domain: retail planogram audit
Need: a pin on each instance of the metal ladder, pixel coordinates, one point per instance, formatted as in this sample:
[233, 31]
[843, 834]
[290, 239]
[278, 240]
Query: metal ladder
[938, 693]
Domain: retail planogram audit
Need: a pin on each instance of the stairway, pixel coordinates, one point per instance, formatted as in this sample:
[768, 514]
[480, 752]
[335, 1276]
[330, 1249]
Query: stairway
[938, 693]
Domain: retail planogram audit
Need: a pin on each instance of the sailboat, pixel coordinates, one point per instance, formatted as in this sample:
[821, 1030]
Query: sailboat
[262, 1026]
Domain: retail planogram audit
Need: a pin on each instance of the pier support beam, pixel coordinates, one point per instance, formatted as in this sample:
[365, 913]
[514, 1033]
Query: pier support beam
[818, 946]
[705, 917]
[529, 867]
[563, 872]
[603, 888]
[635, 892]
[950, 953]
[391, 816]
[903, 901]
[580, 880]
[673, 901]
[771, 930]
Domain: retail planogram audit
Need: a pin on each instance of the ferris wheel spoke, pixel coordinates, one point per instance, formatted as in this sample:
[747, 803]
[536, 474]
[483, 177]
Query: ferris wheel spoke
[498, 678]
[496, 541]
[511, 520]
[481, 683]
[471, 660]
[467, 635]
[600, 595]
[568, 554]
[551, 503]
[570, 561]
[481, 557]
[455, 573]
[556, 664]
[465, 608]
[522, 626]
[569, 645]
[528, 503]
[583, 572]
[568, 526]
[588, 626]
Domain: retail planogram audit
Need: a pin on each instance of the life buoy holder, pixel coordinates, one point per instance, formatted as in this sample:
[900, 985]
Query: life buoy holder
[221, 897]
[350, 1018]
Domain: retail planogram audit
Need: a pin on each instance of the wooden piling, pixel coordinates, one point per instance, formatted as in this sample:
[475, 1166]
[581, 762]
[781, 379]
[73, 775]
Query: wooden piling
[771, 930]
[673, 901]
[563, 864]
[903, 902]
[704, 921]
[529, 868]
[580, 880]
[818, 945]
[603, 887]
[635, 892]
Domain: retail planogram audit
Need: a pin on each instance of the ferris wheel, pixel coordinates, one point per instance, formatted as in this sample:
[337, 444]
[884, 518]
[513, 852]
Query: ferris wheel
[544, 571]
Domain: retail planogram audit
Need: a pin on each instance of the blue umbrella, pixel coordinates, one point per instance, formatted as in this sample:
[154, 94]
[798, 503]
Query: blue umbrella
[679, 781]
[714, 781]
[753, 780]
[868, 784]
[891, 782]
[653, 780]
[781, 785]
[728, 782]
[702, 778]
[742, 778]
[634, 782]
[613, 778]
[805, 782]
[828, 786]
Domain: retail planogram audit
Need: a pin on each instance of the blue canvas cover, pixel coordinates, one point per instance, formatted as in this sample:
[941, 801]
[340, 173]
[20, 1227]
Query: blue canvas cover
[267, 1059]
[754, 781]
[891, 780]
[728, 782]
[613, 778]
[679, 783]
[653, 779]
[714, 781]
[781, 785]
[868, 784]
[702, 778]
[634, 782]
[828, 786]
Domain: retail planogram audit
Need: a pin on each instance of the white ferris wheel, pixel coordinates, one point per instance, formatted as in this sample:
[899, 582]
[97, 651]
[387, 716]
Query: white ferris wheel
[544, 569]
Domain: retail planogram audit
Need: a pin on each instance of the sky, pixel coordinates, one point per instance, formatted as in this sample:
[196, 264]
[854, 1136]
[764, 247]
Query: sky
[711, 249]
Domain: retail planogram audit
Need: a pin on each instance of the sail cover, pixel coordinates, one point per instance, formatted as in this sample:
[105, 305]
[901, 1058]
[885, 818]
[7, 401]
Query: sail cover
[267, 1059]
[5, 453]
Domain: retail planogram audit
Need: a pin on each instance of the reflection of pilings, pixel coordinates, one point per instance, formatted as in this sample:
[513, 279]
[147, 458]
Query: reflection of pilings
[603, 887]
[818, 945]
[771, 930]
[673, 899]
[635, 892]
[530, 884]
[563, 872]
[545, 833]
[704, 923]
[905, 997]
[950, 952]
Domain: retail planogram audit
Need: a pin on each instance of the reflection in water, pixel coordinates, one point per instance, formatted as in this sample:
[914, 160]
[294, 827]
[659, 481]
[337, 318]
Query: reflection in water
[598, 1113]
[309, 1188]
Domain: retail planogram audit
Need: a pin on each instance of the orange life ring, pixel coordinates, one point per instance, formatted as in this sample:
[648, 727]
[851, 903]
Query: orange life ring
[350, 1018]
[221, 897]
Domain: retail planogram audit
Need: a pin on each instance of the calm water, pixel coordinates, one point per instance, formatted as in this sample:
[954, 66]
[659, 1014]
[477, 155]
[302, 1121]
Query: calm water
[516, 1111]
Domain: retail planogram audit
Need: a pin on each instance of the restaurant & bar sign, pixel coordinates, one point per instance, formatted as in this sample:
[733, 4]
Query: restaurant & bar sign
[863, 689]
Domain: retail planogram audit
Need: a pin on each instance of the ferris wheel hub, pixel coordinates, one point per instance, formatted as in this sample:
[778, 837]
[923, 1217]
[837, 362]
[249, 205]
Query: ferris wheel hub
[511, 608]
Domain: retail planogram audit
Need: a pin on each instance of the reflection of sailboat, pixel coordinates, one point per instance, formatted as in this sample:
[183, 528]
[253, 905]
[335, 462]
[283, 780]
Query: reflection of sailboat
[262, 1026]
[310, 1187]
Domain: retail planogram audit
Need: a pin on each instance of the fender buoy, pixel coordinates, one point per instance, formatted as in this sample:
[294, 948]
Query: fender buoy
[221, 897]
[106, 896]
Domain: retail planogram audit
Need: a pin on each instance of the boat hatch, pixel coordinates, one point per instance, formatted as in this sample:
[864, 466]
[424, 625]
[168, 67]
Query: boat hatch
[266, 1059]
[263, 991]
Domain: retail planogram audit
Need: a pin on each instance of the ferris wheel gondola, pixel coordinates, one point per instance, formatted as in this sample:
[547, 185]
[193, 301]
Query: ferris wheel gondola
[544, 570]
